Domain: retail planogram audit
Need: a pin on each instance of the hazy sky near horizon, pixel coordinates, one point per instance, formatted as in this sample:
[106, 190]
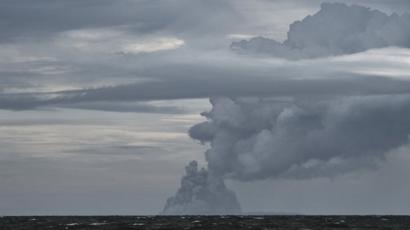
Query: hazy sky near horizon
[97, 97]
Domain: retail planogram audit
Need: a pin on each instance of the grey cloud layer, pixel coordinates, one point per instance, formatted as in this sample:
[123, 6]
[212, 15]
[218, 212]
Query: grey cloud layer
[186, 72]
[27, 20]
[335, 30]
[46, 18]
[235, 77]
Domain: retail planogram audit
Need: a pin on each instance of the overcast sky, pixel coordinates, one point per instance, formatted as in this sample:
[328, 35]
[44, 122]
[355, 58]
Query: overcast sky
[97, 98]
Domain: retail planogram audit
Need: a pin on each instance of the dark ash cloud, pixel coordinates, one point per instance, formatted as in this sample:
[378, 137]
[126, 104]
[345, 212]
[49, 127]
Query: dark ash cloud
[253, 139]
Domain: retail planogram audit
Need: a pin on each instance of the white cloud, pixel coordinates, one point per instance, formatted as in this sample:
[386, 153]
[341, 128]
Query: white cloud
[240, 36]
[115, 40]
[12, 54]
[154, 45]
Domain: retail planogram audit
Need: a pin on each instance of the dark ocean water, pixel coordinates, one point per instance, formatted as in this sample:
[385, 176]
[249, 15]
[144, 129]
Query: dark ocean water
[205, 222]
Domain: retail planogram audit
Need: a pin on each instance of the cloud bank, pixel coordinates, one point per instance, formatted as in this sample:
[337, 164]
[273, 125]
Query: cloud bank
[169, 66]
[383, 71]
[336, 29]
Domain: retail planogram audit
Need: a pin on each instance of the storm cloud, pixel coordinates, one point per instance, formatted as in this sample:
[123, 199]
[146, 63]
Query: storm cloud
[90, 92]
[336, 29]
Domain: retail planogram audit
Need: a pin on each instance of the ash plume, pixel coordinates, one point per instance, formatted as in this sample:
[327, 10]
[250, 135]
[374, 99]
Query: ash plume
[201, 193]
[289, 137]
[261, 138]
[254, 139]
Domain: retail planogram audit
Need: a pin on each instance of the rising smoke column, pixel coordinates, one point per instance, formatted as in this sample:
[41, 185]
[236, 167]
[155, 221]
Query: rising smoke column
[260, 138]
[201, 193]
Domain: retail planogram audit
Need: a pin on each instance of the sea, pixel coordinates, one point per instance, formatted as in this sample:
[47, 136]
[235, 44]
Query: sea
[259, 222]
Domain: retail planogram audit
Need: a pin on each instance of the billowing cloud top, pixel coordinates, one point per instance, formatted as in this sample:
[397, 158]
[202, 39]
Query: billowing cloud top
[335, 30]
[264, 138]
